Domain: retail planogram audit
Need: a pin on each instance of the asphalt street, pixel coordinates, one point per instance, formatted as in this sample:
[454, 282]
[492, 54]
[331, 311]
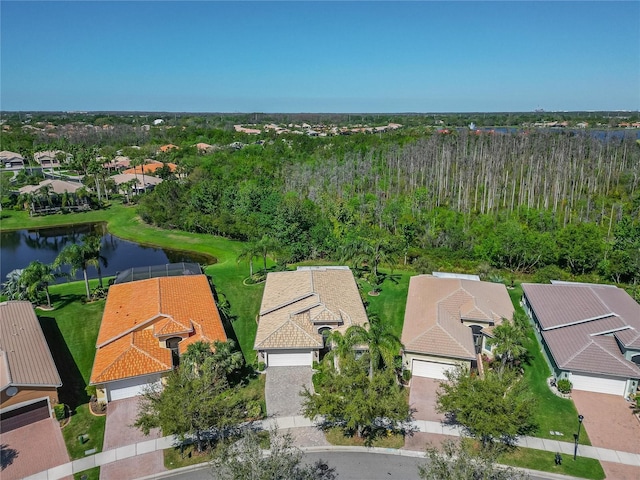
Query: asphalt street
[353, 466]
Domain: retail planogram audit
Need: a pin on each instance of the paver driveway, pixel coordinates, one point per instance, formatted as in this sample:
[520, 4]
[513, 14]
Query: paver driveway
[609, 423]
[31, 449]
[119, 432]
[281, 392]
[422, 397]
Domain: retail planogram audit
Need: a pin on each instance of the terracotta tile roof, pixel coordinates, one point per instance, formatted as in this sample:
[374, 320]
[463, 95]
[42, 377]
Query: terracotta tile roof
[150, 168]
[26, 358]
[581, 322]
[437, 307]
[138, 315]
[295, 303]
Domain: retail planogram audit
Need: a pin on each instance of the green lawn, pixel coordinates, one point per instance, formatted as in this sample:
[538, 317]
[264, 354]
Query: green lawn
[545, 461]
[71, 330]
[91, 474]
[552, 413]
[390, 304]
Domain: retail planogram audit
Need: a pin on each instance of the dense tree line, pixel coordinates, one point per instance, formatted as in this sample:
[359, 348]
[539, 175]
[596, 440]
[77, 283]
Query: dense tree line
[521, 202]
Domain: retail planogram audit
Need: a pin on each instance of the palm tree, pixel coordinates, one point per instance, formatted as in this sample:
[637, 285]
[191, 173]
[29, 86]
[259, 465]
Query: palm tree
[13, 287]
[265, 246]
[80, 257]
[37, 277]
[383, 344]
[341, 346]
[508, 340]
[250, 251]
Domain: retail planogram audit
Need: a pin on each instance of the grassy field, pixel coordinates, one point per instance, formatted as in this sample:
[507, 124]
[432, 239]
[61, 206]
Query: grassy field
[552, 413]
[390, 304]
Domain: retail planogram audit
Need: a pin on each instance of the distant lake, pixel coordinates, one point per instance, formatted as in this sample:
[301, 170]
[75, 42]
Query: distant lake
[21, 247]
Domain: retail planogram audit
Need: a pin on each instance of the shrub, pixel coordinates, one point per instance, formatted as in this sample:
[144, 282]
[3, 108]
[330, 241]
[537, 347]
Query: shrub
[59, 411]
[564, 386]
[261, 366]
[406, 375]
[91, 390]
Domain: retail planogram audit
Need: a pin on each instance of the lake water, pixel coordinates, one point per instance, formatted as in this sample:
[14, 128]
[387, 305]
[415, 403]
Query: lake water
[19, 248]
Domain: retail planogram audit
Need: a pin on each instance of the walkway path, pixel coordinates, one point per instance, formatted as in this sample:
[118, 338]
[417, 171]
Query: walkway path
[141, 448]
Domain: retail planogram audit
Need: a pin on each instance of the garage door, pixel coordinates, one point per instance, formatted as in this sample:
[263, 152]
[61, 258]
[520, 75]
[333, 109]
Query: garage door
[290, 359]
[613, 386]
[22, 416]
[422, 368]
[131, 387]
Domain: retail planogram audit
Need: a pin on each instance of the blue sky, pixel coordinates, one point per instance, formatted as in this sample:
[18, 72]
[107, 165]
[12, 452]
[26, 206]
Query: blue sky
[320, 56]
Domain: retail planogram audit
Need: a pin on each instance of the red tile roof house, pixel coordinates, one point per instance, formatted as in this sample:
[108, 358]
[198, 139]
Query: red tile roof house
[298, 307]
[448, 321]
[29, 379]
[590, 334]
[146, 326]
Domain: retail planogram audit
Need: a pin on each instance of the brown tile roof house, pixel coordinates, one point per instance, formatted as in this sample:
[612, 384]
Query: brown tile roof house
[11, 159]
[589, 333]
[57, 186]
[145, 326]
[298, 306]
[447, 319]
[49, 158]
[28, 375]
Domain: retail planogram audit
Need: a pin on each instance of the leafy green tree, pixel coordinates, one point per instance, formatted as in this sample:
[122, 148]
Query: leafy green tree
[358, 405]
[457, 461]
[580, 247]
[36, 278]
[245, 459]
[249, 252]
[496, 407]
[202, 395]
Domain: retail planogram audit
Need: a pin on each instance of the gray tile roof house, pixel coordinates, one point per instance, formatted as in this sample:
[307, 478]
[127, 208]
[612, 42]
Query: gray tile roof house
[447, 320]
[28, 375]
[298, 306]
[589, 333]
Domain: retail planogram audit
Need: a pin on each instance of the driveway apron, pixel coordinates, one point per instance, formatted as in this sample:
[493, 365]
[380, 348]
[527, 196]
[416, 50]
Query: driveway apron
[31, 449]
[282, 395]
[610, 424]
[120, 432]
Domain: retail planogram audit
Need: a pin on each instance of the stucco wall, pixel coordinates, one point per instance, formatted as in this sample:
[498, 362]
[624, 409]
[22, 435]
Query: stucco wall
[26, 394]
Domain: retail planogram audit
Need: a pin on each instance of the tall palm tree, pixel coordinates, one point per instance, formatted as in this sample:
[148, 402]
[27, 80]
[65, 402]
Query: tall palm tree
[250, 251]
[341, 346]
[80, 257]
[508, 340]
[383, 344]
[36, 277]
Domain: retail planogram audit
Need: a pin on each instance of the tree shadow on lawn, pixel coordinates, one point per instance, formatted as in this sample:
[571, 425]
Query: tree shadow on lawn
[72, 392]
[61, 301]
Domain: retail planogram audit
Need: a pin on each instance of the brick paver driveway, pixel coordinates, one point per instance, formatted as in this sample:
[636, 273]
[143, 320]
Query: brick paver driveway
[610, 424]
[281, 393]
[31, 449]
[119, 432]
[422, 397]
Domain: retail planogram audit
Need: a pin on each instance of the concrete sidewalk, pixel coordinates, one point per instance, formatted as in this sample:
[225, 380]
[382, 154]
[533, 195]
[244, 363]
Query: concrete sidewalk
[140, 448]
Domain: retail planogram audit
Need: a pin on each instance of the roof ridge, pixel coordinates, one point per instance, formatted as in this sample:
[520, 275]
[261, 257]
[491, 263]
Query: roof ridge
[287, 303]
[289, 320]
[620, 360]
[579, 351]
[132, 329]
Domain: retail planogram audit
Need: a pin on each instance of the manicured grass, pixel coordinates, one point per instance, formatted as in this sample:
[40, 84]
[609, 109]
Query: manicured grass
[545, 461]
[336, 437]
[183, 457]
[71, 330]
[91, 474]
[84, 422]
[552, 413]
[390, 304]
